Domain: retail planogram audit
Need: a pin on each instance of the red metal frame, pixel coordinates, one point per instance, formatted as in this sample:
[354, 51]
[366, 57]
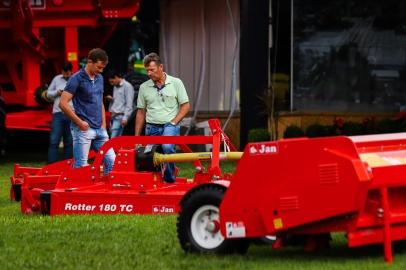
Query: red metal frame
[124, 190]
[52, 32]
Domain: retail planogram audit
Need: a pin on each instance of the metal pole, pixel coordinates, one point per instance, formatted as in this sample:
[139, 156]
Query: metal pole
[291, 54]
[187, 157]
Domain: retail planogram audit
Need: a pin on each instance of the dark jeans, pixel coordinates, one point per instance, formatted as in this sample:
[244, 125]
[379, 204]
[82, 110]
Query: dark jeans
[166, 130]
[60, 128]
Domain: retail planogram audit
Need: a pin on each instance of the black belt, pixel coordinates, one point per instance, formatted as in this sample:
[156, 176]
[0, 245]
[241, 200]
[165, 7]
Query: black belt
[156, 125]
[116, 114]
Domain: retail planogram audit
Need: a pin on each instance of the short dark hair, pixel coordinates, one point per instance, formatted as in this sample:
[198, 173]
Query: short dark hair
[152, 57]
[113, 73]
[67, 66]
[98, 54]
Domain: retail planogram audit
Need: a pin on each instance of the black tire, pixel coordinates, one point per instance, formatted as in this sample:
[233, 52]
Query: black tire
[40, 95]
[17, 192]
[205, 197]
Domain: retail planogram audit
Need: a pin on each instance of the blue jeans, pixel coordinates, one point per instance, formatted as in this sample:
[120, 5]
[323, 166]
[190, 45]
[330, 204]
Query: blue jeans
[166, 130]
[60, 128]
[92, 138]
[116, 129]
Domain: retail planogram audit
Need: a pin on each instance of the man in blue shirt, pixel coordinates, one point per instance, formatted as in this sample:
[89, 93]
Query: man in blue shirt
[60, 126]
[85, 89]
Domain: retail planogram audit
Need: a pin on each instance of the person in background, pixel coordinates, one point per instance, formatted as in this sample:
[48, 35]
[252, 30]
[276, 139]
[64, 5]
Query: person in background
[162, 102]
[121, 103]
[60, 125]
[85, 89]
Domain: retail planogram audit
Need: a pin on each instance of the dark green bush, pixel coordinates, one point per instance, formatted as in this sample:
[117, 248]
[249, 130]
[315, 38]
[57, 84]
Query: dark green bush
[368, 126]
[259, 135]
[387, 126]
[352, 128]
[293, 131]
[317, 130]
[402, 125]
[332, 130]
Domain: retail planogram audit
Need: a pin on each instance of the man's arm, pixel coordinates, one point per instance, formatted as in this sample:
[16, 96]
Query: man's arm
[129, 103]
[183, 100]
[66, 97]
[139, 121]
[183, 110]
[52, 92]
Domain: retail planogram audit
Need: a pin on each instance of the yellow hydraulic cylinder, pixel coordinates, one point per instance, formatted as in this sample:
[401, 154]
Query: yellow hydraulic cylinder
[186, 157]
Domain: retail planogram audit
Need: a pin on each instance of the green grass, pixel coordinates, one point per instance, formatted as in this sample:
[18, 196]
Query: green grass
[144, 242]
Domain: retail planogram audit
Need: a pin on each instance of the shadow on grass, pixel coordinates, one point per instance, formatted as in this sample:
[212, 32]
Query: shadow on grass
[339, 251]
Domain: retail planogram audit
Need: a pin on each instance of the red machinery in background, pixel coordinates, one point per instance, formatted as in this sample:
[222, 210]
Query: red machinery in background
[37, 36]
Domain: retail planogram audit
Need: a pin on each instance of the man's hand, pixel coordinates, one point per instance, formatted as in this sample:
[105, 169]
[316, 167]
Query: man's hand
[183, 110]
[84, 126]
[108, 98]
[123, 123]
[66, 97]
[59, 92]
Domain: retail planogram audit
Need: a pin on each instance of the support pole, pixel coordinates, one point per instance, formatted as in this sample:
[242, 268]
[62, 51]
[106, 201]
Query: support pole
[31, 74]
[215, 162]
[254, 22]
[387, 238]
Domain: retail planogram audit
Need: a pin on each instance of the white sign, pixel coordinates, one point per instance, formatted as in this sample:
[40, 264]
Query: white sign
[235, 229]
[263, 149]
[104, 207]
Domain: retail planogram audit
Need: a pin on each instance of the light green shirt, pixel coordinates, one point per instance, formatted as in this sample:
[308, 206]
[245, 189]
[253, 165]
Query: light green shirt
[163, 105]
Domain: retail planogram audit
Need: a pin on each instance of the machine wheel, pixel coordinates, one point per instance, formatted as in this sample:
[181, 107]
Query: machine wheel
[199, 227]
[40, 95]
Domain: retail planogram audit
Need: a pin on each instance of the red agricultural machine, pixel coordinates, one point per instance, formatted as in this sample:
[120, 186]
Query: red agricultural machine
[37, 36]
[135, 185]
[288, 188]
[304, 187]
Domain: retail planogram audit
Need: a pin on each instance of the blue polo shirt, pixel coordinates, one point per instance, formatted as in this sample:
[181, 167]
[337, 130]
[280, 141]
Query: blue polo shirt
[87, 97]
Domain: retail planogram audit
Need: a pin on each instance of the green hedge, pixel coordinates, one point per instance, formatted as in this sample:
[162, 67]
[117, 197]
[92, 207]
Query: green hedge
[293, 131]
[259, 135]
[340, 127]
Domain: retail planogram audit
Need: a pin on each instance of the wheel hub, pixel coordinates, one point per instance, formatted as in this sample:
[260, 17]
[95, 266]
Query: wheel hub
[205, 227]
[213, 226]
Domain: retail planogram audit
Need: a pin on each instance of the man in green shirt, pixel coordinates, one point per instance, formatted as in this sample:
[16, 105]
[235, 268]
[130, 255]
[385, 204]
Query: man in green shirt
[162, 103]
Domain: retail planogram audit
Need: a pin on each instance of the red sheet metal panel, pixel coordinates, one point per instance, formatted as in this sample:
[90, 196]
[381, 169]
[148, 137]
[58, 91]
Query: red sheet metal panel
[295, 182]
[355, 185]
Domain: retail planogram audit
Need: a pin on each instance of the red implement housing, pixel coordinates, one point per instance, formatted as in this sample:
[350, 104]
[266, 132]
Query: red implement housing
[59, 189]
[305, 186]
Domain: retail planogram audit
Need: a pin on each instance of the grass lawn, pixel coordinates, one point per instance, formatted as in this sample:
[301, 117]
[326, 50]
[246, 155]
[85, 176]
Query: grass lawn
[144, 242]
